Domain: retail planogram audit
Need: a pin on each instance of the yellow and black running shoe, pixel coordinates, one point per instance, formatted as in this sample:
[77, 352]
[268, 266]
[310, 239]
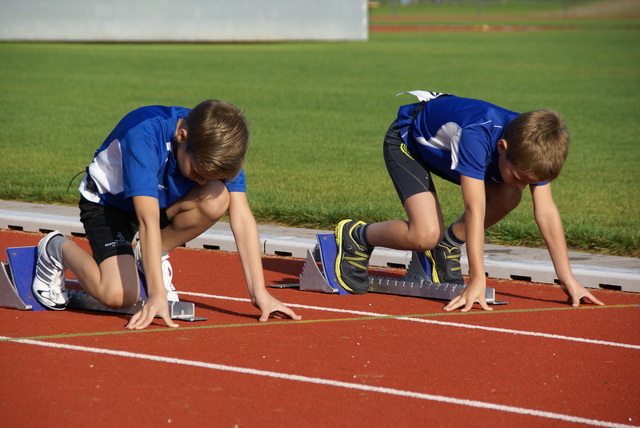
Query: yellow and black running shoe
[445, 264]
[352, 260]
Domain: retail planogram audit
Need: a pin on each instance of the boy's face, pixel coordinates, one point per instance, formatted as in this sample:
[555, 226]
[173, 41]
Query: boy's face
[186, 163]
[511, 174]
[190, 168]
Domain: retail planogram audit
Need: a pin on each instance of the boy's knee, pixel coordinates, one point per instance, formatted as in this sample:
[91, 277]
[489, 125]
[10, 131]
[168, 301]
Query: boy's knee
[116, 298]
[511, 200]
[216, 206]
[426, 240]
[503, 198]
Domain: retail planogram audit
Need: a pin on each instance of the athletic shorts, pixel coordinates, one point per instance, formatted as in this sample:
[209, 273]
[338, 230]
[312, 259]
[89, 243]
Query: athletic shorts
[110, 230]
[409, 174]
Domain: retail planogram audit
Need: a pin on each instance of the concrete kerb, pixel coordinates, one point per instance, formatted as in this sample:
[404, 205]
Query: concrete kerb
[592, 270]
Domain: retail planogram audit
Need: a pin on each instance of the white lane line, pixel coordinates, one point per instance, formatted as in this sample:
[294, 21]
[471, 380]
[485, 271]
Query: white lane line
[327, 382]
[427, 321]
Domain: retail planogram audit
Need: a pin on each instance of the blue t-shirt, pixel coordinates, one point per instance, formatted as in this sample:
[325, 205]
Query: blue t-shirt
[137, 159]
[455, 135]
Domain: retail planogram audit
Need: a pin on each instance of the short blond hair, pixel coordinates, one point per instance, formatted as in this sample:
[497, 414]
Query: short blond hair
[217, 137]
[537, 143]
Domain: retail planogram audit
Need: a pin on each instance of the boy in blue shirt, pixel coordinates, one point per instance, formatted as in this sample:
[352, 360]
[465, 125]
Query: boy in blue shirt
[493, 154]
[164, 174]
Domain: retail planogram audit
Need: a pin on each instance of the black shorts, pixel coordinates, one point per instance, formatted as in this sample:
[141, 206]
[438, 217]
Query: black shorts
[409, 174]
[110, 230]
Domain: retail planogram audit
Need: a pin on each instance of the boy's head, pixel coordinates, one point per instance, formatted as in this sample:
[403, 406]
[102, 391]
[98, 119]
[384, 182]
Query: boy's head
[217, 137]
[537, 143]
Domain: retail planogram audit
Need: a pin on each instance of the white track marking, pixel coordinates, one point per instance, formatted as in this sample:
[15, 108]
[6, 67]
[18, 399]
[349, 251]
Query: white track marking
[328, 382]
[427, 321]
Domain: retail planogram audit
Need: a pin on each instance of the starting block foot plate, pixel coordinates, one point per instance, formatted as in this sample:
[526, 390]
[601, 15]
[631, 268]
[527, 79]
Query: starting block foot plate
[328, 254]
[22, 264]
[312, 279]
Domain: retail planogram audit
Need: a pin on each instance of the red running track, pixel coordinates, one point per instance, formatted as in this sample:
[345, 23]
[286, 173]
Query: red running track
[353, 361]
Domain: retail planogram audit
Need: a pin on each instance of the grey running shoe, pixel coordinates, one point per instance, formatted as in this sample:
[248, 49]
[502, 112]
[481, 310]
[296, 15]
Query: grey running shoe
[167, 270]
[48, 284]
[445, 264]
[352, 259]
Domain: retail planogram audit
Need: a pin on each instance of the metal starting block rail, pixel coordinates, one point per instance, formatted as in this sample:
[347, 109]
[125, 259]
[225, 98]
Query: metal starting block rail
[415, 283]
[80, 299]
[18, 271]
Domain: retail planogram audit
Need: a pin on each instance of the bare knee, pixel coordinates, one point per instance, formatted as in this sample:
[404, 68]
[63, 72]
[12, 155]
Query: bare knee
[119, 302]
[425, 240]
[512, 200]
[214, 208]
[118, 298]
[203, 204]
[210, 201]
[425, 223]
[501, 200]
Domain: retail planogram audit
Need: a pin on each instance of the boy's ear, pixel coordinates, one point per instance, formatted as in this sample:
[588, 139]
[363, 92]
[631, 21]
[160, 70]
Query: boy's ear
[502, 145]
[181, 135]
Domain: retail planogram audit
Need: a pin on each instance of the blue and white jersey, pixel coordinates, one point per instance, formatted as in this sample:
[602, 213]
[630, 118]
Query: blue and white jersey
[137, 159]
[455, 135]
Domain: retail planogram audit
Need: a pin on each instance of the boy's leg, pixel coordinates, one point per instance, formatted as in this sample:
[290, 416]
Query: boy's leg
[445, 257]
[167, 270]
[422, 234]
[355, 239]
[110, 275]
[196, 212]
[422, 231]
[414, 186]
[114, 282]
[185, 220]
[501, 200]
[424, 228]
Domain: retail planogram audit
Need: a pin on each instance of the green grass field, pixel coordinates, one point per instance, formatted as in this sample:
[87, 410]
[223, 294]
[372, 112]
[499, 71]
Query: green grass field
[319, 111]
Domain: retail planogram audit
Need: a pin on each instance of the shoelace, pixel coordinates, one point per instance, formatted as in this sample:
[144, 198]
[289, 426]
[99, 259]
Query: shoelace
[56, 291]
[359, 255]
[355, 261]
[453, 257]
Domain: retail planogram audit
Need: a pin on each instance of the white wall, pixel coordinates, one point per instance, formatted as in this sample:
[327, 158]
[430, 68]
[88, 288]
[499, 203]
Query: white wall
[183, 20]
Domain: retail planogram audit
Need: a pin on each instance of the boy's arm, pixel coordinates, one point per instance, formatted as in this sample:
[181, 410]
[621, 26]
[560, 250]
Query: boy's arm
[548, 219]
[148, 213]
[473, 194]
[245, 232]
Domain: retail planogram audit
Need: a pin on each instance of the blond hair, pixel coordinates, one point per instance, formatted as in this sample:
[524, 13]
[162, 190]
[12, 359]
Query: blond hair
[217, 137]
[537, 143]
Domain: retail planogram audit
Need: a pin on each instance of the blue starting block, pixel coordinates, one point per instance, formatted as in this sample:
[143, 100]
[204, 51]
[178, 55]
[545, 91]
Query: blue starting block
[416, 282]
[16, 278]
[22, 268]
[14, 293]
